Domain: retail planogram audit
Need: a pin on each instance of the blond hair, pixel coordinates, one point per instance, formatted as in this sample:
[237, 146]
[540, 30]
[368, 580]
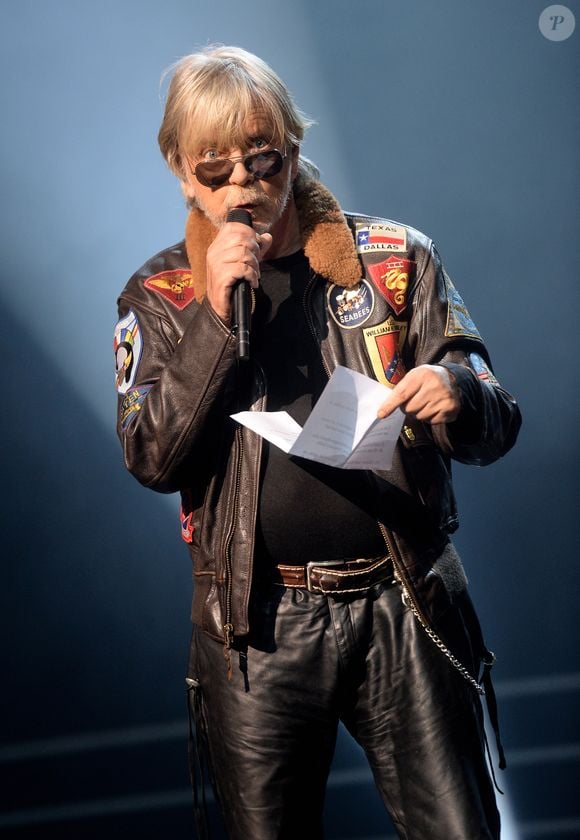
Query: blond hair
[211, 96]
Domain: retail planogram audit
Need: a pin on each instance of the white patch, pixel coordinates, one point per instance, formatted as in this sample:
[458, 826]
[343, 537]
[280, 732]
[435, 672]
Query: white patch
[127, 346]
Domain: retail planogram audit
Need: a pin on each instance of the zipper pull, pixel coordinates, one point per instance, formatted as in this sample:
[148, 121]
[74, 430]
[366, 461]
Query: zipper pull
[228, 641]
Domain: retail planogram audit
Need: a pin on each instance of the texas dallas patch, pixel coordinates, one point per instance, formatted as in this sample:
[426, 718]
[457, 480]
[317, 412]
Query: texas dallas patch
[351, 307]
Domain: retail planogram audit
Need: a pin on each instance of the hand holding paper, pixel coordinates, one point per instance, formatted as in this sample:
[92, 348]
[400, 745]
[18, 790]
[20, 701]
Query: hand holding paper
[343, 429]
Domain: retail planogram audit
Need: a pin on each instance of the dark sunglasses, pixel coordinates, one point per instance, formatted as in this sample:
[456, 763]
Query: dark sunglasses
[215, 173]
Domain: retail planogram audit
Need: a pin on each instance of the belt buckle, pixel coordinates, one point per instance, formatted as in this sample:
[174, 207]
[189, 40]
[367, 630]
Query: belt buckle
[314, 565]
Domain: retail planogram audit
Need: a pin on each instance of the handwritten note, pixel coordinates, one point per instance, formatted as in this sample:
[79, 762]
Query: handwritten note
[343, 429]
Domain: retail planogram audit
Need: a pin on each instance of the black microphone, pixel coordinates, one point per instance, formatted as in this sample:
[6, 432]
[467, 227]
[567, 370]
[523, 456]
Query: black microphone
[241, 300]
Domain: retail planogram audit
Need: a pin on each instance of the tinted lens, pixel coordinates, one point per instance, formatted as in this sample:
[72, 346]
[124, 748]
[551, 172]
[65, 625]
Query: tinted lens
[214, 173]
[264, 164]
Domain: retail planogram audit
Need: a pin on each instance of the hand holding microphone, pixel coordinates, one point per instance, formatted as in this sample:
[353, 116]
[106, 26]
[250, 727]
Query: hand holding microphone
[241, 309]
[233, 262]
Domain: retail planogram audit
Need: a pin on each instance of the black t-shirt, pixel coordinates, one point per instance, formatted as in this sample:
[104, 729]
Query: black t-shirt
[307, 511]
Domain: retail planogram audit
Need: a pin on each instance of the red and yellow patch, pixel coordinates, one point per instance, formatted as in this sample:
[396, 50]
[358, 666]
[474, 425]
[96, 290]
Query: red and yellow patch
[391, 277]
[187, 527]
[384, 344]
[176, 286]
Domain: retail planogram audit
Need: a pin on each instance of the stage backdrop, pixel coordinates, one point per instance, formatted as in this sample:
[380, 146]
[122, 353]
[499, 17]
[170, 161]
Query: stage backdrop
[458, 118]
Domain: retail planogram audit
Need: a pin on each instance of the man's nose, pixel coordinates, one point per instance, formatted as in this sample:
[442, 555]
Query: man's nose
[240, 175]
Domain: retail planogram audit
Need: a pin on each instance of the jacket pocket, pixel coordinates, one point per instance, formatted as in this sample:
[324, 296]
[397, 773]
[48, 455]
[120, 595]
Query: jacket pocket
[429, 474]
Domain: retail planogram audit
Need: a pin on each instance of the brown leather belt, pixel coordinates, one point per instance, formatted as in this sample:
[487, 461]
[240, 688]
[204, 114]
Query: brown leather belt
[336, 576]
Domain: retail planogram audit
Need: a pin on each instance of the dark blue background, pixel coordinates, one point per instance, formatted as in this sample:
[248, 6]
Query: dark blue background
[458, 118]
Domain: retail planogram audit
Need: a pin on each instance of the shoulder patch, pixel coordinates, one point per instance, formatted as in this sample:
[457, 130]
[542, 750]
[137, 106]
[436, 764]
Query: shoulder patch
[132, 403]
[458, 318]
[391, 277]
[482, 370]
[187, 527]
[351, 307]
[127, 346]
[176, 286]
[380, 237]
[384, 345]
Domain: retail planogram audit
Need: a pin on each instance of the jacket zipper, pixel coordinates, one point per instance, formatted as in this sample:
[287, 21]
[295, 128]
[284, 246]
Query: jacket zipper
[228, 627]
[407, 596]
[310, 322]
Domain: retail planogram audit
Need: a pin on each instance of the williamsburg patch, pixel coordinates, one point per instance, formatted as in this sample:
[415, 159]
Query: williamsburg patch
[458, 318]
[384, 345]
[351, 307]
[127, 346]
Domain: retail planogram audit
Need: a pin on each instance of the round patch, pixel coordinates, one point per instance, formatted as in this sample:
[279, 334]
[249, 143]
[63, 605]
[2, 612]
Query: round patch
[351, 307]
[127, 346]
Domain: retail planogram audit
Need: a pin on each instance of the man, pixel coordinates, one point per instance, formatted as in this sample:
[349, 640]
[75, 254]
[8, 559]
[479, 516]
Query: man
[320, 594]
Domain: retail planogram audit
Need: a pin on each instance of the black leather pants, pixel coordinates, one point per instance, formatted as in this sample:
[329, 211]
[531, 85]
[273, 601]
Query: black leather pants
[313, 660]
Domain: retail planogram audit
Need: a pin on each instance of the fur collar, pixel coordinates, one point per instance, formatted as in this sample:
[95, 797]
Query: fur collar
[326, 237]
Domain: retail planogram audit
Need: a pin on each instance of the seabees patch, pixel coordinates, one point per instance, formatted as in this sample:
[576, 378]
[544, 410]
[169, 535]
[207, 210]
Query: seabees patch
[391, 277]
[458, 318]
[127, 346]
[176, 286]
[384, 345]
[351, 307]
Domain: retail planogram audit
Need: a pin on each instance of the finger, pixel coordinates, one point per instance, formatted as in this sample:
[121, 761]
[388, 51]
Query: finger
[387, 408]
[247, 271]
[399, 396]
[265, 242]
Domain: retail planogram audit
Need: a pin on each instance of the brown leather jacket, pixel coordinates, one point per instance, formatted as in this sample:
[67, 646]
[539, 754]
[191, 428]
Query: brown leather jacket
[179, 381]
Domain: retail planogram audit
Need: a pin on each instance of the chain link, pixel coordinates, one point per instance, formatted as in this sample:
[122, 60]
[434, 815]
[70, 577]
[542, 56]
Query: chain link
[438, 642]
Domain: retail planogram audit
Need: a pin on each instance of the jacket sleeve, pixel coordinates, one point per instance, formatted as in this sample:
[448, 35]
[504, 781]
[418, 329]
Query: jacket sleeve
[441, 332]
[177, 389]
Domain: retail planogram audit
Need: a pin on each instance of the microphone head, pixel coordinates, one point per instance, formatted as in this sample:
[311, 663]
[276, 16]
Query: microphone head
[238, 214]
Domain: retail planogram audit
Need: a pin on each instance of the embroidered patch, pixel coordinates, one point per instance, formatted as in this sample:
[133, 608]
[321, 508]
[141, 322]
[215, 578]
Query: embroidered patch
[380, 237]
[481, 369]
[127, 345]
[187, 527]
[458, 318]
[351, 307]
[176, 286]
[132, 403]
[384, 345]
[391, 277]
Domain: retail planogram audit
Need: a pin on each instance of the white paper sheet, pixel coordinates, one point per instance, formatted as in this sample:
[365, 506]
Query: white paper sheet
[342, 430]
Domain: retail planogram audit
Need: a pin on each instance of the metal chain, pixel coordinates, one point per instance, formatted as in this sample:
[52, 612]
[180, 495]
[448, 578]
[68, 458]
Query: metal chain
[408, 602]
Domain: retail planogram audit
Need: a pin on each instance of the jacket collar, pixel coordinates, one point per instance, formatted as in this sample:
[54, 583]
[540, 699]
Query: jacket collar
[326, 238]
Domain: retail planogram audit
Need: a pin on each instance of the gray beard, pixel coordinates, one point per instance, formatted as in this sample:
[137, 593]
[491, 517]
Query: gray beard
[250, 196]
